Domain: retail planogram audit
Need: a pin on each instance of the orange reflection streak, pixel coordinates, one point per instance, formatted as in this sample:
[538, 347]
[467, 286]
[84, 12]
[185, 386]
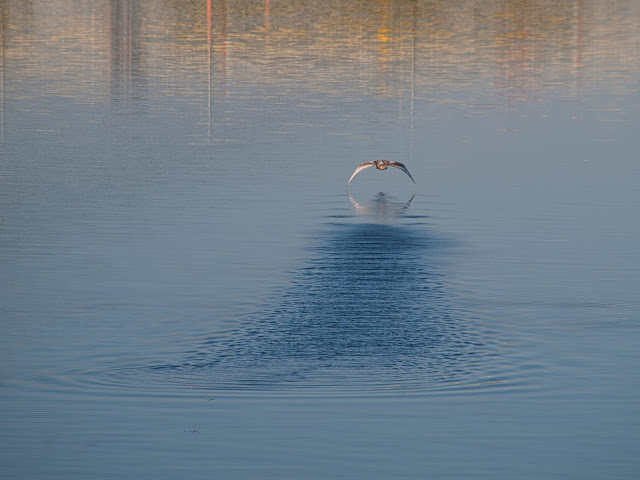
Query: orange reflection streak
[384, 36]
[223, 43]
[217, 43]
[527, 45]
[267, 14]
[209, 26]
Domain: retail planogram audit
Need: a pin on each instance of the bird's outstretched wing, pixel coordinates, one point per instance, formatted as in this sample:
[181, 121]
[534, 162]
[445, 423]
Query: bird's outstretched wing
[361, 167]
[401, 167]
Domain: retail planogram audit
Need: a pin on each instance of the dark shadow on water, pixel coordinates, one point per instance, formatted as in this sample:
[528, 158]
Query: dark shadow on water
[370, 310]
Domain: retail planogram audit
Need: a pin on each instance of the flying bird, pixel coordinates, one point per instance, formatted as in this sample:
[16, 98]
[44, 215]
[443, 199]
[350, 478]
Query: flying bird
[380, 165]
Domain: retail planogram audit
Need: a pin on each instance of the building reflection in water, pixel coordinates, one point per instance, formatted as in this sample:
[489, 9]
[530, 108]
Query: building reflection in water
[522, 50]
[496, 52]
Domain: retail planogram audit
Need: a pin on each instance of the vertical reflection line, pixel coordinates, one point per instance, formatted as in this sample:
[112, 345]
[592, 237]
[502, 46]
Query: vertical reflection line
[267, 14]
[210, 66]
[216, 49]
[579, 48]
[130, 46]
[362, 71]
[122, 49]
[223, 43]
[413, 87]
[1, 74]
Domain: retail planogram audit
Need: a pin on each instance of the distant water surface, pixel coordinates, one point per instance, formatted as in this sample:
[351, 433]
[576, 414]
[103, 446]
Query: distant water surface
[189, 288]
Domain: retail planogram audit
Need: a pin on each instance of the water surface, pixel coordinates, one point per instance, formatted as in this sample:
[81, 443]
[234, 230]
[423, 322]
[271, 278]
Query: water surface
[188, 287]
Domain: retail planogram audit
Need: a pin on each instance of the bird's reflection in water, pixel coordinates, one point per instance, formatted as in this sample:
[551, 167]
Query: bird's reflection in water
[381, 205]
[370, 309]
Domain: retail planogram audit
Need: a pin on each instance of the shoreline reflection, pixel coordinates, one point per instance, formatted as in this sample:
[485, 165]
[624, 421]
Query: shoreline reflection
[522, 51]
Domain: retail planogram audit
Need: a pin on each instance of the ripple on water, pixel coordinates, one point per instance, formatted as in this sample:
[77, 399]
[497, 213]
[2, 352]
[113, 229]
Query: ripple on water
[372, 311]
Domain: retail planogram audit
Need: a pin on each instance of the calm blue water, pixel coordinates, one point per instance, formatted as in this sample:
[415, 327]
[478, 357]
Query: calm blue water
[188, 289]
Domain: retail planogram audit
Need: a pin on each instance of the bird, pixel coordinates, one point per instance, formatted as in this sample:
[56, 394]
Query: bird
[381, 165]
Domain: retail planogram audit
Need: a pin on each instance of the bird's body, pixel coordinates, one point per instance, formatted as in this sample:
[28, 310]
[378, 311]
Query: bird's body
[381, 165]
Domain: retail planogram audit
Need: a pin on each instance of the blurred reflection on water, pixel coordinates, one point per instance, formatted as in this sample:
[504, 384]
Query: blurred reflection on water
[441, 51]
[381, 206]
[174, 222]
